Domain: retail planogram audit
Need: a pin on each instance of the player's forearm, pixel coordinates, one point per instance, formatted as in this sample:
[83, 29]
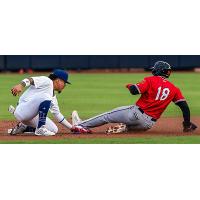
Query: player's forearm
[66, 124]
[185, 110]
[133, 89]
[17, 89]
[61, 119]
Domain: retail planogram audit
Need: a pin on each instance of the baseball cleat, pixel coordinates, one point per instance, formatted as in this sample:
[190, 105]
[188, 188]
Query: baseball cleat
[19, 128]
[11, 109]
[75, 118]
[42, 131]
[9, 131]
[120, 128]
[79, 130]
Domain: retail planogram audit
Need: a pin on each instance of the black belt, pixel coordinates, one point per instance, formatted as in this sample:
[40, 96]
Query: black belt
[142, 111]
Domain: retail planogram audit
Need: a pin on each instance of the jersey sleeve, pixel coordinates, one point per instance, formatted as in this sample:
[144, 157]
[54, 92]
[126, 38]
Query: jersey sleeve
[178, 96]
[54, 109]
[142, 86]
[41, 81]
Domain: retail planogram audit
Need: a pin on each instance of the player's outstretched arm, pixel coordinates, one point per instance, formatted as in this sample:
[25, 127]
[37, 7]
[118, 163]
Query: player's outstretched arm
[187, 125]
[74, 129]
[61, 119]
[17, 89]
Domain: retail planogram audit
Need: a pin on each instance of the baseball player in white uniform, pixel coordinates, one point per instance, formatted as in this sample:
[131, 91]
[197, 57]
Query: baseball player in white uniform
[37, 100]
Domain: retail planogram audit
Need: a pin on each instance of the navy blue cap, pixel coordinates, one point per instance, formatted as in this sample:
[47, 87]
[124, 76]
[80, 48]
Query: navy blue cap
[61, 74]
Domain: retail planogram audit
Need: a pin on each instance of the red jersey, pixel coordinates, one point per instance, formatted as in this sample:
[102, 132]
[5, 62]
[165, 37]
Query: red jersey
[157, 92]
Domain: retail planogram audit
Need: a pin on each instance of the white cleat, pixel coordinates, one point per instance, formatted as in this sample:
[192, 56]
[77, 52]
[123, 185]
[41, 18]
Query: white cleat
[11, 109]
[75, 118]
[18, 129]
[42, 131]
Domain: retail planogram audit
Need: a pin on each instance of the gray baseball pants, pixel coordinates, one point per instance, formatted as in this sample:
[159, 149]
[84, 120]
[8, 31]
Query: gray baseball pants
[129, 115]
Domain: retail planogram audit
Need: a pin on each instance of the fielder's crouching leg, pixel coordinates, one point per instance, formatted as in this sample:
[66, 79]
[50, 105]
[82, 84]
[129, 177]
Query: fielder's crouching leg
[50, 125]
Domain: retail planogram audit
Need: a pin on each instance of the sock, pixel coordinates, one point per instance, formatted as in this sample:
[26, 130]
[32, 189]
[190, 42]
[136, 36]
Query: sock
[43, 110]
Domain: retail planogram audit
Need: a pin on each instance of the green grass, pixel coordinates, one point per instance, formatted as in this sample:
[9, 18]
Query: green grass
[92, 94]
[146, 140]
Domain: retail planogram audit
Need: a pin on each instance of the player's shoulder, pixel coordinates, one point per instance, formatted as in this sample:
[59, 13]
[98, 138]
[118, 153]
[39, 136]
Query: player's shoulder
[158, 78]
[151, 78]
[169, 83]
[42, 79]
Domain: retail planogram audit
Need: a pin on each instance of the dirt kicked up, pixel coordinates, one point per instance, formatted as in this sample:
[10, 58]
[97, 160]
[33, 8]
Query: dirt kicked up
[164, 127]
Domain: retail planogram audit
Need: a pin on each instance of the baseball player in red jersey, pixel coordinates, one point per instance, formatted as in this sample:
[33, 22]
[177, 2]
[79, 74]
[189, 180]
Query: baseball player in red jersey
[156, 94]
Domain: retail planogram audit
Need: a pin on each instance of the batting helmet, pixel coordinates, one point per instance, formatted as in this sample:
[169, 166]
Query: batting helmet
[161, 68]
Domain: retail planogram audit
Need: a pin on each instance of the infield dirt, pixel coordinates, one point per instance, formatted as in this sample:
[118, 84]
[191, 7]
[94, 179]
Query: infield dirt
[164, 127]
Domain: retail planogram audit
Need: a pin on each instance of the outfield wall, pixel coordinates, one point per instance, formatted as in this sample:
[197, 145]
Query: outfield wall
[79, 62]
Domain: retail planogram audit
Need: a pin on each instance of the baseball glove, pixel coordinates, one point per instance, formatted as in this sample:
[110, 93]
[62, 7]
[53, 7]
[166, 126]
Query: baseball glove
[188, 127]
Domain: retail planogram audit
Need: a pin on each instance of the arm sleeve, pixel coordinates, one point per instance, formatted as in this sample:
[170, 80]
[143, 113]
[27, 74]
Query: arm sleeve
[185, 110]
[64, 122]
[133, 89]
[54, 109]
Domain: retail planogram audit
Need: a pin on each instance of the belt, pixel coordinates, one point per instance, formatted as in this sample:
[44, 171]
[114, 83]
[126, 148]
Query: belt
[142, 111]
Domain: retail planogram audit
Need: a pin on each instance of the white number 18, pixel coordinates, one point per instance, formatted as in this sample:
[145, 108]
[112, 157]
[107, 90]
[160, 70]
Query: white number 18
[165, 94]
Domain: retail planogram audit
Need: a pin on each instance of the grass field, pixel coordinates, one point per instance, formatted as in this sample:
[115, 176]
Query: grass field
[92, 94]
[146, 140]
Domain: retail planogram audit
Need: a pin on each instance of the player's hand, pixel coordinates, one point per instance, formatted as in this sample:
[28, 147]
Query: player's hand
[17, 89]
[129, 85]
[79, 130]
[188, 127]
